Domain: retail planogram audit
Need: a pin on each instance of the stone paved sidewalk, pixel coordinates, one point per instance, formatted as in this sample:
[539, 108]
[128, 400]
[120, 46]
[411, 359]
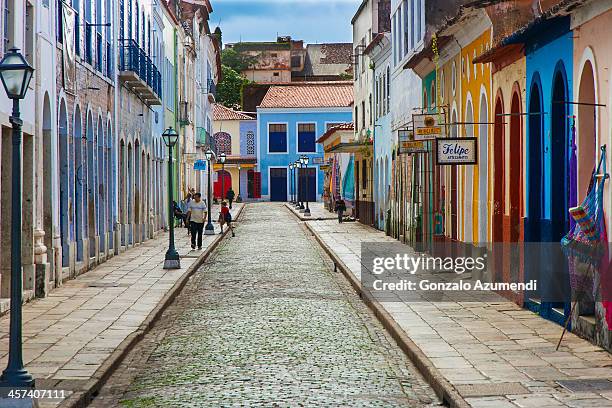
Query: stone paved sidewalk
[493, 354]
[70, 335]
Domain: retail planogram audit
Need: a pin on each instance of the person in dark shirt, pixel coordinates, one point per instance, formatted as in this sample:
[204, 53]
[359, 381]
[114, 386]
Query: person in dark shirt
[230, 197]
[340, 209]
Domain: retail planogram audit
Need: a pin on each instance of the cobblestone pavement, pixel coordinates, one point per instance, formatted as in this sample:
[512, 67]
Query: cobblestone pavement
[265, 322]
[69, 335]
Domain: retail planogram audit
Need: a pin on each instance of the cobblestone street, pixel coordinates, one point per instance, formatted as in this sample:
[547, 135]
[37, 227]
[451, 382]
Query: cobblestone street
[266, 322]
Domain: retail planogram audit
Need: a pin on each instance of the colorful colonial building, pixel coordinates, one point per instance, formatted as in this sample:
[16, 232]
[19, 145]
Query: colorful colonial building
[290, 119]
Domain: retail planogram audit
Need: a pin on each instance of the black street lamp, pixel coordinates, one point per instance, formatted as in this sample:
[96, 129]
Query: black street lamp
[291, 182]
[172, 260]
[210, 228]
[298, 185]
[16, 74]
[222, 158]
[305, 159]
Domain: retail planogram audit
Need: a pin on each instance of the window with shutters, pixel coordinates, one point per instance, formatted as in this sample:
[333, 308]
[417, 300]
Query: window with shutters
[307, 138]
[277, 138]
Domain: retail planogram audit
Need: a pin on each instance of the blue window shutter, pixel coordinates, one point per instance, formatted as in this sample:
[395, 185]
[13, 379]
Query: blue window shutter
[278, 142]
[307, 142]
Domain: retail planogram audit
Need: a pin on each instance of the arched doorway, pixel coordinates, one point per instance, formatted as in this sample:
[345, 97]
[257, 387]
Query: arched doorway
[483, 169]
[468, 195]
[142, 186]
[109, 162]
[535, 163]
[137, 189]
[122, 190]
[515, 166]
[64, 183]
[559, 163]
[47, 145]
[499, 188]
[514, 191]
[80, 176]
[453, 190]
[129, 194]
[101, 188]
[587, 135]
[224, 180]
[91, 185]
[587, 154]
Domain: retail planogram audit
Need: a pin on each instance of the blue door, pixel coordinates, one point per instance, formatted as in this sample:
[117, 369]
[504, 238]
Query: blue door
[278, 185]
[307, 184]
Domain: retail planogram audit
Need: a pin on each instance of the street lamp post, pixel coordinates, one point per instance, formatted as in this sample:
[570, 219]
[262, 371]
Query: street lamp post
[16, 74]
[291, 183]
[297, 165]
[209, 229]
[222, 158]
[172, 260]
[305, 159]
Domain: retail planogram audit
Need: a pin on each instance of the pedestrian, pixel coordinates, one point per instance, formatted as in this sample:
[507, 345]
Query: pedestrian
[186, 201]
[178, 213]
[340, 209]
[225, 217]
[197, 211]
[230, 196]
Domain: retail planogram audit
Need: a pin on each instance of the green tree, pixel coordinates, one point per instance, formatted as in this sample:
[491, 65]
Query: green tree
[229, 90]
[236, 60]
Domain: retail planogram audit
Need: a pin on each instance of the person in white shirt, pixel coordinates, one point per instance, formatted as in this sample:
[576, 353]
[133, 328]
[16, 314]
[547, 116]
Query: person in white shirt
[196, 212]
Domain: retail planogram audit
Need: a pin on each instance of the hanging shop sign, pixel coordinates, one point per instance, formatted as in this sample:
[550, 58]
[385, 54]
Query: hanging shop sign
[407, 144]
[456, 151]
[429, 126]
[318, 160]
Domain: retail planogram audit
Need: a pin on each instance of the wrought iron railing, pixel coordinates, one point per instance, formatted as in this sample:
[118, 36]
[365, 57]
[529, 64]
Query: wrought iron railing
[135, 59]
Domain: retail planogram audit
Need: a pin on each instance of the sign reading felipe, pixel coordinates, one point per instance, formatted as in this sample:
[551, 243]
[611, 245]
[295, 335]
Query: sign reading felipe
[457, 151]
[428, 126]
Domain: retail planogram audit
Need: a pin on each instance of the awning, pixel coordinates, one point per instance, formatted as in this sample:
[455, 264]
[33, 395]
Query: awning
[353, 147]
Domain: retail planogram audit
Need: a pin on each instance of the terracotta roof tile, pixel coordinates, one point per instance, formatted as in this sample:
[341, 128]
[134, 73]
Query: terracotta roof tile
[309, 95]
[343, 126]
[220, 112]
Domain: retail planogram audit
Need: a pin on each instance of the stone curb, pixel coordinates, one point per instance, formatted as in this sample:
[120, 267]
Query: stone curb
[83, 397]
[443, 388]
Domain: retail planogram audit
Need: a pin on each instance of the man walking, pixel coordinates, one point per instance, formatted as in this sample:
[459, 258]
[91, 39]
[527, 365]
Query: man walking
[230, 196]
[340, 209]
[197, 211]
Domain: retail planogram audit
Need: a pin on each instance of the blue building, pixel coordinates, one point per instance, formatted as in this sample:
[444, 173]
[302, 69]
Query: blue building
[290, 119]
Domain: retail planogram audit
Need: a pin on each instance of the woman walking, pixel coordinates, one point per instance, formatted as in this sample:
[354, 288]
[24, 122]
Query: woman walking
[225, 217]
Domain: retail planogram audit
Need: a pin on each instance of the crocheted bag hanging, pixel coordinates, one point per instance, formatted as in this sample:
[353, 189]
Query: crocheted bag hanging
[585, 243]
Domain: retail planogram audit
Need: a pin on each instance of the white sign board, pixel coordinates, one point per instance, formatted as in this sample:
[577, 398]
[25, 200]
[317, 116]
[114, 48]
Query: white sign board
[429, 126]
[458, 151]
[407, 144]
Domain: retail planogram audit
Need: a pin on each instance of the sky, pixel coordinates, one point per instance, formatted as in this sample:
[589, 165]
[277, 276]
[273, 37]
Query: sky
[314, 21]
